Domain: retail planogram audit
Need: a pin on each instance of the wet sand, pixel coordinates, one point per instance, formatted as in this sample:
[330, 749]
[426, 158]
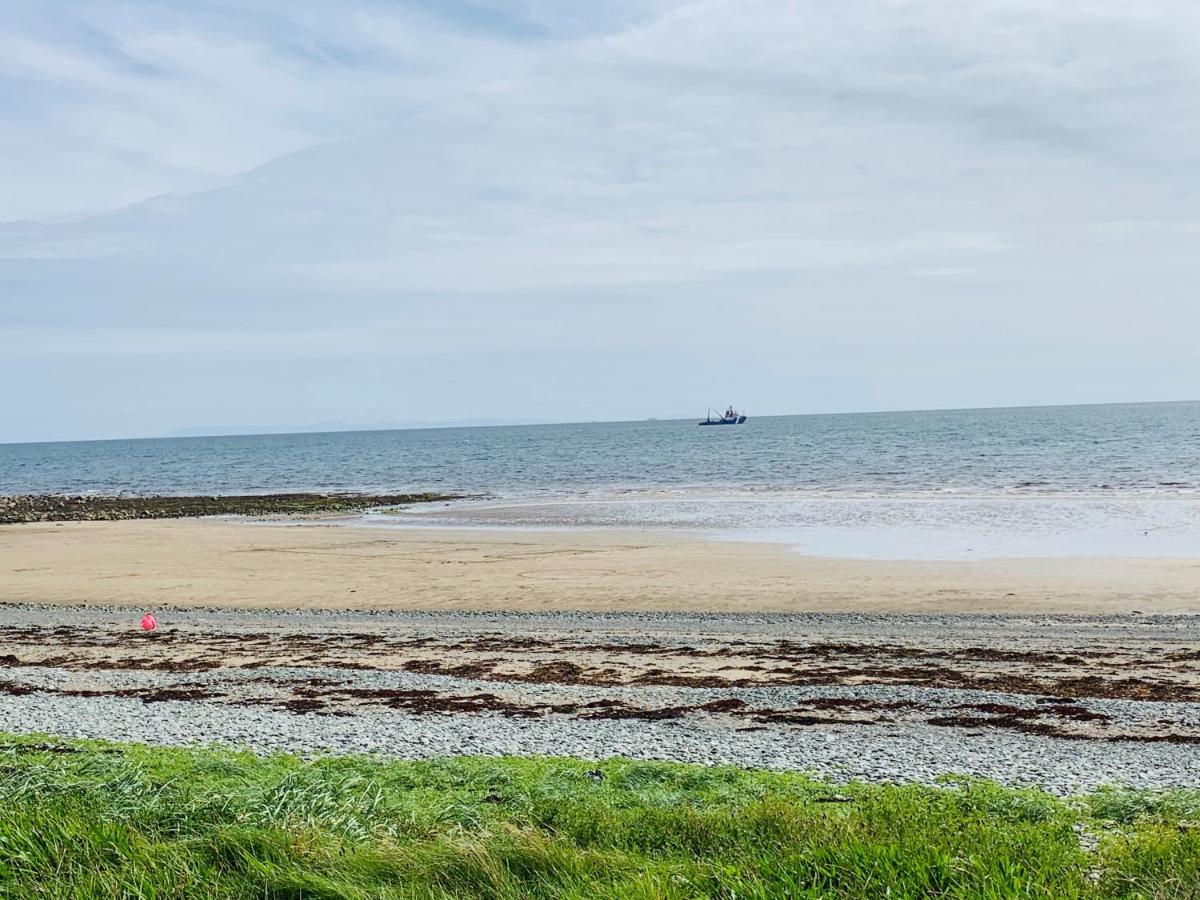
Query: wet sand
[222, 563]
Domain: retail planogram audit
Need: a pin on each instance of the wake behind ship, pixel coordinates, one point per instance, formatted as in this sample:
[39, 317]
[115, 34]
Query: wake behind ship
[731, 417]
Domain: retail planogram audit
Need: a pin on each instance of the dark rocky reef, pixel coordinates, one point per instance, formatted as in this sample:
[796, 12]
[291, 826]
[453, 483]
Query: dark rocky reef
[58, 508]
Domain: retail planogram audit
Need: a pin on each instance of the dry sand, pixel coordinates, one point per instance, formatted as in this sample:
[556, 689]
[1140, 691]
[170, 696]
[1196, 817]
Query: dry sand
[238, 564]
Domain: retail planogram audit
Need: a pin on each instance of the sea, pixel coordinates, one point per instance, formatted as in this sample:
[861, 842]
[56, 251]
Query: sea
[1101, 480]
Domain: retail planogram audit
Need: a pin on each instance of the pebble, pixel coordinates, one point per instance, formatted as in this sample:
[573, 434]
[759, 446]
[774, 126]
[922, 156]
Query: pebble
[897, 753]
[901, 751]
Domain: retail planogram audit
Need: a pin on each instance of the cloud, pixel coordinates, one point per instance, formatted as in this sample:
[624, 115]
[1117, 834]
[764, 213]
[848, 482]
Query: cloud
[230, 181]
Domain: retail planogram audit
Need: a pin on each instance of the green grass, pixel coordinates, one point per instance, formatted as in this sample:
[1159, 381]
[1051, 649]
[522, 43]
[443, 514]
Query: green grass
[105, 820]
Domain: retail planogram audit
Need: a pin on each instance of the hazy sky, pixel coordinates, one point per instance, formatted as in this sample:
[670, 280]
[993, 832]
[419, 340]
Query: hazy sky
[259, 213]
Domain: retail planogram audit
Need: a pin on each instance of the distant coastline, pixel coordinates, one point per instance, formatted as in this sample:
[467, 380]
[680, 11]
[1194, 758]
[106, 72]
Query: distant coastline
[334, 427]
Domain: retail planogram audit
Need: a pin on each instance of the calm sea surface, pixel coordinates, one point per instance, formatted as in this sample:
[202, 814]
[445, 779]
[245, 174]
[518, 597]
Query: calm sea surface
[1058, 480]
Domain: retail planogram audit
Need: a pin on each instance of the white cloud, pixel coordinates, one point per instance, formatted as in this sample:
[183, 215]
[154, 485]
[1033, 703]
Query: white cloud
[1002, 175]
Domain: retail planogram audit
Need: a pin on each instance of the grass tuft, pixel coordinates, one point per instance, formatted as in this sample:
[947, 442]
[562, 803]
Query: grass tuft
[86, 819]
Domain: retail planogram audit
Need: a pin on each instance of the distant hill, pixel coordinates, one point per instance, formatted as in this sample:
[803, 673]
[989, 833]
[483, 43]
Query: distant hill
[313, 427]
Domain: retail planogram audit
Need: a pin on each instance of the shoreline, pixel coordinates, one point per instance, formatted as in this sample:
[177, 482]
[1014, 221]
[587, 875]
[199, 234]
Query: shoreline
[940, 527]
[930, 527]
[222, 563]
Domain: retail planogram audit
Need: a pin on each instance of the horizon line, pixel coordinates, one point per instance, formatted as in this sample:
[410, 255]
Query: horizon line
[452, 426]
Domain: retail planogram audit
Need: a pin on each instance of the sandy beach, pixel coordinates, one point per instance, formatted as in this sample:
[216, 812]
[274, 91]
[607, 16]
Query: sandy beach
[329, 636]
[255, 565]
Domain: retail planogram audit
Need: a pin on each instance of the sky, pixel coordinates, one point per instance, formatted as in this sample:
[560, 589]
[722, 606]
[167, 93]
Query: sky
[240, 215]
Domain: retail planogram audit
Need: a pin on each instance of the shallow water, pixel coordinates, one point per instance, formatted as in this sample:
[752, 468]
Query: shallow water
[931, 527]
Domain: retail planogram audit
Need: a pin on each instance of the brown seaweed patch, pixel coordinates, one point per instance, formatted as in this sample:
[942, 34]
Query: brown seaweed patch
[620, 711]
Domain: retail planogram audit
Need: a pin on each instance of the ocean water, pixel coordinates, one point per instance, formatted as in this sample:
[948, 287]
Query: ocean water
[960, 484]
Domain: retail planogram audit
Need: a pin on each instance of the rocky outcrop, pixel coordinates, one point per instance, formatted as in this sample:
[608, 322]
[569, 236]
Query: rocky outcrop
[61, 508]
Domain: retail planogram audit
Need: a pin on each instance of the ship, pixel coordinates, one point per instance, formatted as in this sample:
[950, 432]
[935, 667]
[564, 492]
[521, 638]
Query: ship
[731, 417]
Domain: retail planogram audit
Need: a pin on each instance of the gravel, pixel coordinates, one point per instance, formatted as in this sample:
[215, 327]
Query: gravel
[241, 709]
[900, 753]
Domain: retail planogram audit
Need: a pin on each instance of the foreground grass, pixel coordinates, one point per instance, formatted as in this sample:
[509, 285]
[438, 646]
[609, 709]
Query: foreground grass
[96, 820]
